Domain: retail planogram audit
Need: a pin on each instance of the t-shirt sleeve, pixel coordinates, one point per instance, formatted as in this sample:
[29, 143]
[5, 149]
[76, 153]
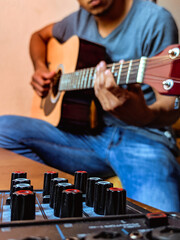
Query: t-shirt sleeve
[64, 29]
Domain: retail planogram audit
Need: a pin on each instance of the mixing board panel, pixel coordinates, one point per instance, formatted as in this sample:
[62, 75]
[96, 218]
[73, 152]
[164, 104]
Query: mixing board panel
[125, 227]
[88, 209]
[43, 211]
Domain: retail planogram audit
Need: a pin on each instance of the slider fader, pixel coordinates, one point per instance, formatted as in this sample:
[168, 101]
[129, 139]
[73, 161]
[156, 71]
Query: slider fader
[90, 208]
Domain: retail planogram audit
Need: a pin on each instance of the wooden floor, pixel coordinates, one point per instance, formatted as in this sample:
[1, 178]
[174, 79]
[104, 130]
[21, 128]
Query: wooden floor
[10, 162]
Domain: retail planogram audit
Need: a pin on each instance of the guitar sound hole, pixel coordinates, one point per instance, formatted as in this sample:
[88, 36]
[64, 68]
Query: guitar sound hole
[56, 82]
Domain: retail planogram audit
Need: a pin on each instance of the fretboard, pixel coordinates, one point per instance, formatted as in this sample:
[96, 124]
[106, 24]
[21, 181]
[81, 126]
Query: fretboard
[124, 73]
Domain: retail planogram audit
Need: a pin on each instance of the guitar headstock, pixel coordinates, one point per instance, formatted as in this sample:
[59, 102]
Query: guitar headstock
[163, 71]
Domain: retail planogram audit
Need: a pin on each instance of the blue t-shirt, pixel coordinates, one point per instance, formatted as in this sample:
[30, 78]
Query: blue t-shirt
[147, 30]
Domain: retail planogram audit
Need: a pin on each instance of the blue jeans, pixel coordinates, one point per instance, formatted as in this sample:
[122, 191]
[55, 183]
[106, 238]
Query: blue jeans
[148, 170]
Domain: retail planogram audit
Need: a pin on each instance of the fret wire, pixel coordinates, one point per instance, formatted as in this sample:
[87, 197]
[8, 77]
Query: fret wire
[71, 83]
[76, 77]
[129, 71]
[79, 78]
[92, 78]
[75, 80]
[65, 82]
[119, 73]
[86, 78]
[61, 83]
[83, 77]
[89, 78]
[112, 69]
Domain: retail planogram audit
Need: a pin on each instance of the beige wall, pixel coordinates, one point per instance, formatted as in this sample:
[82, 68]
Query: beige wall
[174, 7]
[18, 19]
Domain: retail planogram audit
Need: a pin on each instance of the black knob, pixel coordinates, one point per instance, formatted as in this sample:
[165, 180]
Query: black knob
[22, 186]
[90, 190]
[100, 196]
[17, 174]
[23, 205]
[53, 183]
[71, 203]
[47, 179]
[80, 179]
[19, 181]
[58, 196]
[115, 201]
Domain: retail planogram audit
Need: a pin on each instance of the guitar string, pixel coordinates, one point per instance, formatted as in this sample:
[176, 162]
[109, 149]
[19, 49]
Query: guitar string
[133, 72]
[125, 65]
[149, 64]
[148, 59]
[161, 78]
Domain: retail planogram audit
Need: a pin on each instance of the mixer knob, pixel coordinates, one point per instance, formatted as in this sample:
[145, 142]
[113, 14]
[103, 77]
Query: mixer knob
[80, 179]
[17, 174]
[21, 180]
[100, 196]
[58, 196]
[23, 205]
[115, 201]
[22, 186]
[90, 190]
[47, 179]
[53, 183]
[71, 203]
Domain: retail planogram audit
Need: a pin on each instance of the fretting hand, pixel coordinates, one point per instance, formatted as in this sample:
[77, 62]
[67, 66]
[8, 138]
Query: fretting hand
[126, 104]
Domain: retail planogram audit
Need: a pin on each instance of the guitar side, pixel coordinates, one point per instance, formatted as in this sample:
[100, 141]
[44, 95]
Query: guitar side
[56, 54]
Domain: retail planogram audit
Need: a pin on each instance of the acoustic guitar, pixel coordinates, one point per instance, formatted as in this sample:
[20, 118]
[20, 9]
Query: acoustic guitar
[71, 101]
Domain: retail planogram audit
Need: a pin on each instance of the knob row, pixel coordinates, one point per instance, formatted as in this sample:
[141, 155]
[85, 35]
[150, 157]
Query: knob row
[67, 198]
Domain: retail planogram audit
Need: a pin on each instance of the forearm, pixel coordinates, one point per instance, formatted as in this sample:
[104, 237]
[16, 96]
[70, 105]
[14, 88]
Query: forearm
[38, 51]
[42, 77]
[164, 112]
[38, 46]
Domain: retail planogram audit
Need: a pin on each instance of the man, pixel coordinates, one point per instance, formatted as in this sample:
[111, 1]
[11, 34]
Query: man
[135, 141]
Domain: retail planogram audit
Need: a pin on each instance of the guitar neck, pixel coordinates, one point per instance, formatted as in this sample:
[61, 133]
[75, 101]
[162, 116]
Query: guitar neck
[124, 73]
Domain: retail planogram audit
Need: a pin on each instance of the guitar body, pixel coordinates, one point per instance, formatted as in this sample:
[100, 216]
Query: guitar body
[72, 109]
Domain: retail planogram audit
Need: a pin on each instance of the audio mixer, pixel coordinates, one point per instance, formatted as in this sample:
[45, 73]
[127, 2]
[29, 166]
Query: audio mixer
[90, 208]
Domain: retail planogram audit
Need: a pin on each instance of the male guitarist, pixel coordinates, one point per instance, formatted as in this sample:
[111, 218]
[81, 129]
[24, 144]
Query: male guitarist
[135, 141]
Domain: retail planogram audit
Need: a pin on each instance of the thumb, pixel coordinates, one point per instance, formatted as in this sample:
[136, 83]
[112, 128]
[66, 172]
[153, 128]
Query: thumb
[135, 88]
[49, 75]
